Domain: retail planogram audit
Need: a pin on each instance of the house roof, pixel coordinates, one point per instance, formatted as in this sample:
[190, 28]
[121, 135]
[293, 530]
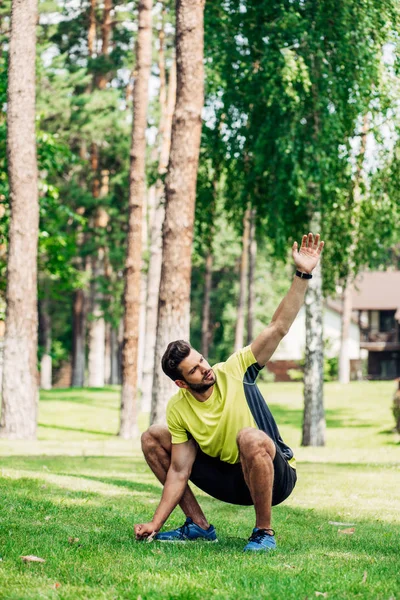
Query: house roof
[377, 290]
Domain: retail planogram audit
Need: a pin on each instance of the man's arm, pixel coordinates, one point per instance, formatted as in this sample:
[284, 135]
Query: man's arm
[182, 459]
[306, 259]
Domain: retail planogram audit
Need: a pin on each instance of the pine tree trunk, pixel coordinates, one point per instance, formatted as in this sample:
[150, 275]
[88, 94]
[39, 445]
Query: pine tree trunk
[239, 332]
[92, 27]
[45, 342]
[143, 296]
[314, 414]
[78, 338]
[97, 330]
[180, 192]
[154, 272]
[107, 354]
[128, 425]
[251, 279]
[114, 351]
[205, 319]
[102, 78]
[20, 389]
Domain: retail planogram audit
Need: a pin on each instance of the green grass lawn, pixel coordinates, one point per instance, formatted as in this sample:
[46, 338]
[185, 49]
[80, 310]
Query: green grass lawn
[73, 496]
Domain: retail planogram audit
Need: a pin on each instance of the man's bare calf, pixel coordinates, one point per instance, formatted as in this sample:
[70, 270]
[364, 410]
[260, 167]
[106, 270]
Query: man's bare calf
[257, 452]
[157, 446]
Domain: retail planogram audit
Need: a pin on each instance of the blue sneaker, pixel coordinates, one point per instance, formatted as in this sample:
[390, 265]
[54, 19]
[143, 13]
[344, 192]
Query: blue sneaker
[188, 532]
[261, 540]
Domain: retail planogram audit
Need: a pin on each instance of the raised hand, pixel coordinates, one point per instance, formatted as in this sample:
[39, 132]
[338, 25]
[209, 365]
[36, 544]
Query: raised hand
[306, 259]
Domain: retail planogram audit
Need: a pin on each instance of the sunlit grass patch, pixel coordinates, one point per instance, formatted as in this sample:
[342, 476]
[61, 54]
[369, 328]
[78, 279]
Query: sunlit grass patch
[73, 500]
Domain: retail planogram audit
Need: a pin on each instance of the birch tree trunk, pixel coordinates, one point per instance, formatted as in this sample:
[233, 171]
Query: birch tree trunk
[19, 390]
[314, 414]
[128, 425]
[180, 191]
[239, 332]
[251, 293]
[154, 272]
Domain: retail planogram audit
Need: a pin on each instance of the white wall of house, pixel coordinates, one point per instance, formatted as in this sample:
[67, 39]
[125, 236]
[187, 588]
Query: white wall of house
[292, 347]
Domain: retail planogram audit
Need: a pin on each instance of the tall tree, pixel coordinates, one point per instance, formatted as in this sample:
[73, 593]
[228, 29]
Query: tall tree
[19, 393]
[128, 424]
[167, 105]
[180, 192]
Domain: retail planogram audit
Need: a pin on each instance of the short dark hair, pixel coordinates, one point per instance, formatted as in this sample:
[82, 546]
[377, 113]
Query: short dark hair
[175, 353]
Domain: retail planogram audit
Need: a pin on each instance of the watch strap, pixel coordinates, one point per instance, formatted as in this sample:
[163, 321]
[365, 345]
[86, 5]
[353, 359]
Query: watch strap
[303, 275]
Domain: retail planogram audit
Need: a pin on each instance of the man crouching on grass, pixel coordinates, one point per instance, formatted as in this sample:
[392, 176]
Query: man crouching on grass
[221, 434]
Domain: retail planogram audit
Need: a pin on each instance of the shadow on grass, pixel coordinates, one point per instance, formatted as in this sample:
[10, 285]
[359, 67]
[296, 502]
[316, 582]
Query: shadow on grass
[334, 418]
[64, 428]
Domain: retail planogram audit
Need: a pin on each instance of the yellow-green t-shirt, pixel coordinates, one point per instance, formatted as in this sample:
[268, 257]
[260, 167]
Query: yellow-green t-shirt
[236, 402]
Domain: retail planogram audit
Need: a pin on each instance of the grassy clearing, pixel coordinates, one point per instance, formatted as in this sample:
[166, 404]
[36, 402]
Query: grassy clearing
[79, 481]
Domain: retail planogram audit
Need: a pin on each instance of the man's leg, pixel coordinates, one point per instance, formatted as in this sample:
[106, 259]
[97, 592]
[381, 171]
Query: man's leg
[156, 446]
[257, 452]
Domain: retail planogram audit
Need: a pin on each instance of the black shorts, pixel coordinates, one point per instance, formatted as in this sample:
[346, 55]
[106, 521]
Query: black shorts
[225, 481]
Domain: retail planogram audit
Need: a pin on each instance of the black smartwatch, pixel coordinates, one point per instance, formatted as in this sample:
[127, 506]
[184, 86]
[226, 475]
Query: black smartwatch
[303, 275]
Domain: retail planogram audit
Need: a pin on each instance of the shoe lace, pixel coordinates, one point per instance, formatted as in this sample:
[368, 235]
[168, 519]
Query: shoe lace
[184, 530]
[260, 534]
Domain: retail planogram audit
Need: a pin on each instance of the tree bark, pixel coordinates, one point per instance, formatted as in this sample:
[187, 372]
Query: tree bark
[128, 425]
[251, 278]
[114, 351]
[92, 27]
[20, 393]
[97, 331]
[180, 192]
[314, 414]
[106, 26]
[78, 338]
[45, 342]
[239, 332]
[154, 272]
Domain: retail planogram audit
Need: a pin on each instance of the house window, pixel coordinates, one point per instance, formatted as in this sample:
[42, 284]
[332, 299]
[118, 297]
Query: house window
[386, 320]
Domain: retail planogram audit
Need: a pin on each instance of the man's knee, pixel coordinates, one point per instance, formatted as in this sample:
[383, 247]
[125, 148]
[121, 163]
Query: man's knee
[253, 442]
[156, 436]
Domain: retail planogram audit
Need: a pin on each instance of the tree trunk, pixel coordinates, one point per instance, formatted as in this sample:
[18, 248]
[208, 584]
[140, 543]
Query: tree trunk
[251, 278]
[314, 414]
[107, 354]
[344, 353]
[106, 25]
[92, 27]
[45, 342]
[205, 319]
[128, 425]
[143, 295]
[114, 351]
[78, 338]
[180, 191]
[155, 250]
[97, 329]
[20, 393]
[239, 332]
